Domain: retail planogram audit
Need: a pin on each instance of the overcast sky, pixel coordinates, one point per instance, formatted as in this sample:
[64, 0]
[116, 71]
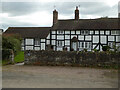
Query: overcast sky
[39, 14]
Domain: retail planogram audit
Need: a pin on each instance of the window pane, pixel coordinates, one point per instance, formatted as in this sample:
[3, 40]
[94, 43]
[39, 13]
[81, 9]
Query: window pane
[37, 41]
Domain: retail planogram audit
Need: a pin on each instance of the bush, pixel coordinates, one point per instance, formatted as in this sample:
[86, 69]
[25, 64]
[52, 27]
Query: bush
[6, 54]
[84, 50]
[95, 50]
[105, 48]
[11, 42]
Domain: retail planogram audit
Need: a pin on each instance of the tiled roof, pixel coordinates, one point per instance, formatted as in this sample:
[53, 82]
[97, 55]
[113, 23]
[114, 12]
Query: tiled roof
[101, 23]
[29, 32]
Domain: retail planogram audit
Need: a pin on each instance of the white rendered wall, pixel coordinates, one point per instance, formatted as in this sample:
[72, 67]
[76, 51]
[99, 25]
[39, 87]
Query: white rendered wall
[48, 42]
[87, 37]
[37, 48]
[117, 38]
[111, 38]
[53, 32]
[48, 37]
[103, 39]
[77, 32]
[59, 48]
[67, 32]
[42, 40]
[53, 42]
[67, 42]
[42, 46]
[95, 39]
[80, 37]
[102, 32]
[60, 37]
[53, 36]
[107, 32]
[29, 41]
[67, 36]
[29, 47]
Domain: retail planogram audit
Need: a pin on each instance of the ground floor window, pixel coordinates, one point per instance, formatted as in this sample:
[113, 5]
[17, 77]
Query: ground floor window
[86, 45]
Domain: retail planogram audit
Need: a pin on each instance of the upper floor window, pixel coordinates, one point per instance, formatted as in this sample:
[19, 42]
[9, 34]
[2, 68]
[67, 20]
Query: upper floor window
[85, 32]
[60, 32]
[115, 32]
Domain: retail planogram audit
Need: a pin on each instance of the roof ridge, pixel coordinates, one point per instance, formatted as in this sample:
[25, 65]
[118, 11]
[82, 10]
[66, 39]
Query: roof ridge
[84, 19]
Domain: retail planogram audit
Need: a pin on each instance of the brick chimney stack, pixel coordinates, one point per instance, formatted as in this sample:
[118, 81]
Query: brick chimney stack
[76, 13]
[55, 16]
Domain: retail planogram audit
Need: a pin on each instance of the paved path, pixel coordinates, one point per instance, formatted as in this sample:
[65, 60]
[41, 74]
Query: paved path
[20, 76]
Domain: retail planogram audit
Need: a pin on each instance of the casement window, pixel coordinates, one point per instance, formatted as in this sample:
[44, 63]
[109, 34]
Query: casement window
[53, 32]
[111, 44]
[29, 41]
[60, 32]
[67, 32]
[86, 45]
[96, 32]
[37, 41]
[82, 44]
[89, 44]
[115, 32]
[59, 43]
[91, 32]
[82, 32]
[85, 32]
[107, 32]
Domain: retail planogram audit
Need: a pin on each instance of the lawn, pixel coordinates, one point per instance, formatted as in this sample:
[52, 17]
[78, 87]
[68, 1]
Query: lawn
[19, 57]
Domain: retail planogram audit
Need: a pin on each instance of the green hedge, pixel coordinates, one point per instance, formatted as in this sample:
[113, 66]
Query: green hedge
[6, 54]
[11, 42]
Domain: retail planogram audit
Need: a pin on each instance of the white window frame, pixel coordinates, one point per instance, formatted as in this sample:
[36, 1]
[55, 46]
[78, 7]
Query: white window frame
[59, 43]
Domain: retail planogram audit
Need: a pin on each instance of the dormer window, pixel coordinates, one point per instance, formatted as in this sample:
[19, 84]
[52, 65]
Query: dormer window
[85, 32]
[114, 32]
[60, 32]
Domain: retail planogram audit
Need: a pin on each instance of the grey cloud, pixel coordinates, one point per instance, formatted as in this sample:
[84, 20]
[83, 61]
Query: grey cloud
[63, 8]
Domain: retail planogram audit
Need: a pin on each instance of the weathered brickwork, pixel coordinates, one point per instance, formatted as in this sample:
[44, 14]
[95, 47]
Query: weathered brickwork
[71, 58]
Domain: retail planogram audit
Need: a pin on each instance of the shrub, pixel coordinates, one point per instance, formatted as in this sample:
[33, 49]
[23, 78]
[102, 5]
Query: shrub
[6, 54]
[105, 48]
[95, 50]
[11, 42]
[84, 50]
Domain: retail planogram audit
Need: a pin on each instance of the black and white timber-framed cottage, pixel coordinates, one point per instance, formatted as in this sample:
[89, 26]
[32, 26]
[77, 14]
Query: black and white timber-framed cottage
[73, 34]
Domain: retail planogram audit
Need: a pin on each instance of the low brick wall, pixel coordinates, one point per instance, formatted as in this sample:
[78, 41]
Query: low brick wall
[73, 58]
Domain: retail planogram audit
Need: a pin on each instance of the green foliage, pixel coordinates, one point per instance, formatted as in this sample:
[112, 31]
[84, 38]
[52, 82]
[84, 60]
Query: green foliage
[95, 50]
[11, 42]
[84, 50]
[6, 54]
[19, 57]
[105, 48]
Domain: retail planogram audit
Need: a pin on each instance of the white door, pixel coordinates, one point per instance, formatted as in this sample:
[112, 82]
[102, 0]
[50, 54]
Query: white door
[74, 46]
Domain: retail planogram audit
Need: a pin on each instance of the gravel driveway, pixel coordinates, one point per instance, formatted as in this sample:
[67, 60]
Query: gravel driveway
[15, 76]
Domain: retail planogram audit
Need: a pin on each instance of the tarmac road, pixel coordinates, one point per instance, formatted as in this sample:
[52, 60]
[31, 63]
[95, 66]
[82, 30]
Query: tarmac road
[15, 76]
